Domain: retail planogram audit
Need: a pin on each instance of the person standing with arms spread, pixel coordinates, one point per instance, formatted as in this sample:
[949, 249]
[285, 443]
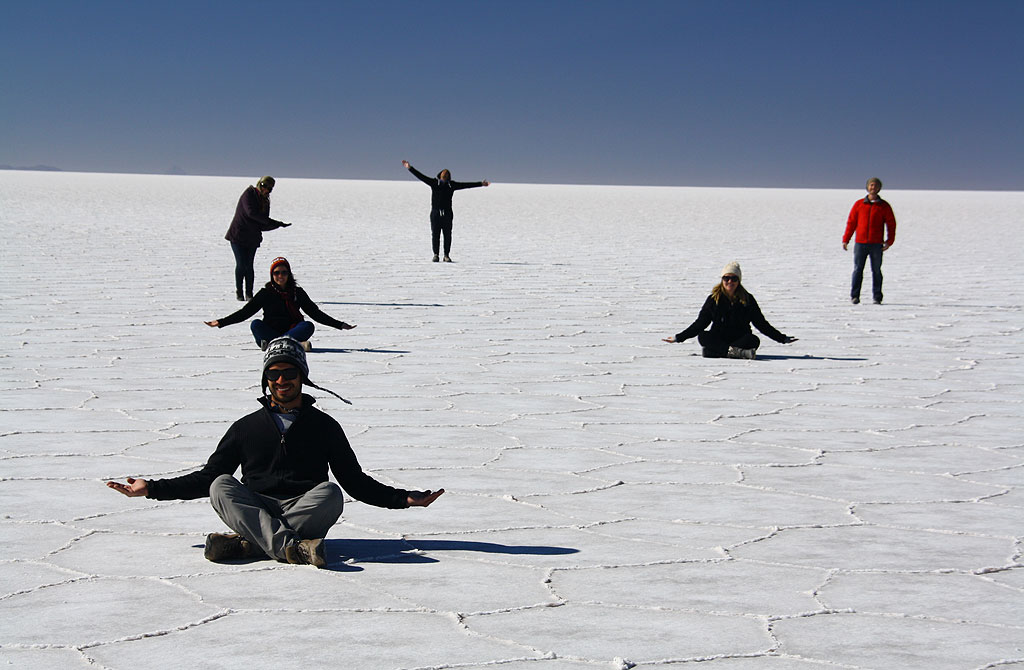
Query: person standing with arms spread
[252, 217]
[284, 504]
[441, 189]
[875, 225]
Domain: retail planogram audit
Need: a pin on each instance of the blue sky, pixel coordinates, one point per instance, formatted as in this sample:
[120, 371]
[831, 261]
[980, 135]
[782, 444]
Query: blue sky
[783, 94]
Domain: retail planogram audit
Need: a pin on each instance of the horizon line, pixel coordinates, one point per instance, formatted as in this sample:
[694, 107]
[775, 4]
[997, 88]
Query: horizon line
[173, 172]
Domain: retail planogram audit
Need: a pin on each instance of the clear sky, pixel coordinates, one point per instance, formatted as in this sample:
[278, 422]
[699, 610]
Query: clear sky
[815, 93]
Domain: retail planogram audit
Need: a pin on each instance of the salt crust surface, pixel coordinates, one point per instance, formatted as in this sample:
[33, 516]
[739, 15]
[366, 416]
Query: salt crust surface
[852, 500]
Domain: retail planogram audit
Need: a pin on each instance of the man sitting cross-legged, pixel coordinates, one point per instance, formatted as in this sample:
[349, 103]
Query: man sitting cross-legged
[284, 504]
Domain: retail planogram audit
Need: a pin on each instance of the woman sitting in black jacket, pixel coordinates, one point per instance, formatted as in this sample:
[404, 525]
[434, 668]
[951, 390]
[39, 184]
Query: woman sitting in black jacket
[730, 310]
[282, 302]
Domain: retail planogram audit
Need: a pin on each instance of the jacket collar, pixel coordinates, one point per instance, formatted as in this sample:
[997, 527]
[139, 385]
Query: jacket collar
[307, 401]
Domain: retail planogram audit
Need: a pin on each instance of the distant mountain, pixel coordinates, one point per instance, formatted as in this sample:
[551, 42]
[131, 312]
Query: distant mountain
[38, 168]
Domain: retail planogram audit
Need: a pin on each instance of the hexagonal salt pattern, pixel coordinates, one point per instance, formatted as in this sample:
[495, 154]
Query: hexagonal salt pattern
[852, 500]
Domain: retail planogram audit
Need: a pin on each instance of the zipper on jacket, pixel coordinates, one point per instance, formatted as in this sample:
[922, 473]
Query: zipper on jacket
[284, 444]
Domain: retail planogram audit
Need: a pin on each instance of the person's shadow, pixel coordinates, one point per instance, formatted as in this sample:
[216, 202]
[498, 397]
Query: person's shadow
[777, 357]
[772, 357]
[405, 551]
[328, 350]
[385, 304]
[338, 552]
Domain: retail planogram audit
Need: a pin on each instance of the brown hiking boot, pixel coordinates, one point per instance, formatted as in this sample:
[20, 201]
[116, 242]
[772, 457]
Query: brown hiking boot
[229, 547]
[306, 552]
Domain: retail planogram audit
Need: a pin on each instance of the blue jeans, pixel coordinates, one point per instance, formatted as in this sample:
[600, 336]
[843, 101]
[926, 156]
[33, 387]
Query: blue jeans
[861, 253]
[244, 257]
[302, 331]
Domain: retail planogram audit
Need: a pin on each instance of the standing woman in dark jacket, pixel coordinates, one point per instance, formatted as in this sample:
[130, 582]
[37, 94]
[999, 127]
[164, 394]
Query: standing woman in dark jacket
[441, 189]
[730, 310]
[252, 217]
[281, 301]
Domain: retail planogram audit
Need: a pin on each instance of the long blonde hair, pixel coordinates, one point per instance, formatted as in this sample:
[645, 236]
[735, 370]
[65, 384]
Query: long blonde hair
[740, 296]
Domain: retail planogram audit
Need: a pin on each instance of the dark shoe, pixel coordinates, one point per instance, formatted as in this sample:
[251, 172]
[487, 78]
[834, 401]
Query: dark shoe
[855, 301]
[229, 547]
[447, 260]
[436, 258]
[248, 295]
[306, 552]
[878, 301]
[238, 295]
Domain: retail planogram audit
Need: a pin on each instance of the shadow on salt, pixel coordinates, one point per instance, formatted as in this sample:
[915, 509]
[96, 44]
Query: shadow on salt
[385, 304]
[322, 350]
[397, 551]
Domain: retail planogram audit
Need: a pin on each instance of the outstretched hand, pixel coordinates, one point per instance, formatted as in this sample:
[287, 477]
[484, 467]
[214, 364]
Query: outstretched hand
[790, 339]
[285, 225]
[423, 498]
[346, 326]
[405, 164]
[212, 324]
[134, 489]
[485, 182]
[669, 339]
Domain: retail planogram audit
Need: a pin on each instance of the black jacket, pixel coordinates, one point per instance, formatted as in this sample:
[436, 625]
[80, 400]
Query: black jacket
[283, 465]
[441, 191]
[275, 311]
[730, 320]
[252, 217]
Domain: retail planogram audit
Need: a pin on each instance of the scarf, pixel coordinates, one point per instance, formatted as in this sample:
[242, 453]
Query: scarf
[290, 303]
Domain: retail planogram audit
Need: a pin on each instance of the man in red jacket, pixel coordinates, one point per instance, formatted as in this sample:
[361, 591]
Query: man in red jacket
[875, 224]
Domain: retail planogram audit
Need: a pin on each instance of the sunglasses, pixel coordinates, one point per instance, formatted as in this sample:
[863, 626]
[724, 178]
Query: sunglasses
[730, 278]
[287, 373]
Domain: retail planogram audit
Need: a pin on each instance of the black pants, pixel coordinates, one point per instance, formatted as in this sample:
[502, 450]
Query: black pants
[715, 347]
[441, 222]
[244, 257]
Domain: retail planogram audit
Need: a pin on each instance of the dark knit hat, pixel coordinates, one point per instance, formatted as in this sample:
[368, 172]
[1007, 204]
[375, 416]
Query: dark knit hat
[266, 181]
[288, 350]
[285, 350]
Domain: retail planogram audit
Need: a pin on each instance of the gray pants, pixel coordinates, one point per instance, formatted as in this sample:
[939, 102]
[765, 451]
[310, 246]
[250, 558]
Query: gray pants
[274, 523]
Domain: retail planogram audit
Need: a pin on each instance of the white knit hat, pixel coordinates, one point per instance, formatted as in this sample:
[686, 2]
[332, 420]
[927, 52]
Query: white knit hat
[733, 268]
